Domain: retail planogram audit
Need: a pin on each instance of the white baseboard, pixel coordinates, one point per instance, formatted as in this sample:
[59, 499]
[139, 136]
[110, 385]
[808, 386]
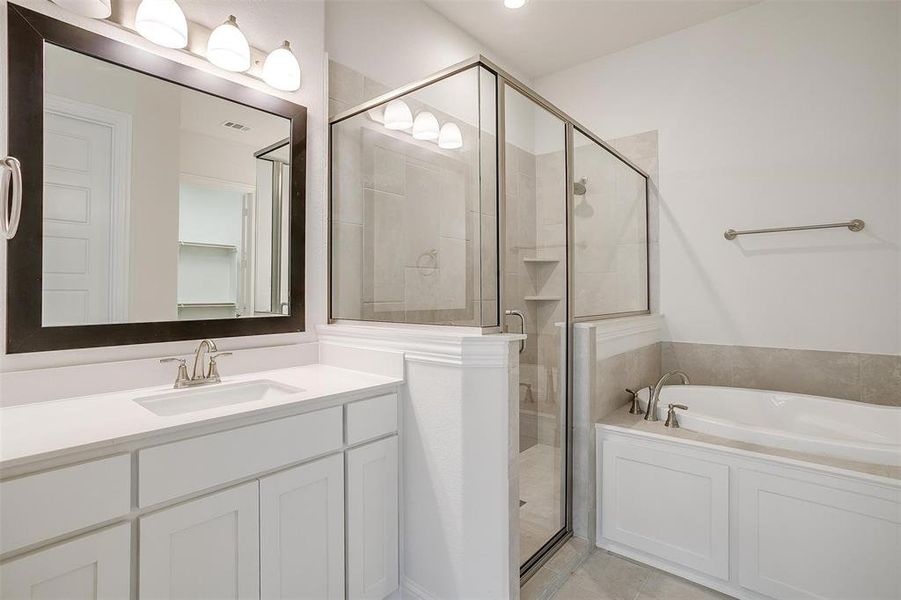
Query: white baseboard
[413, 591]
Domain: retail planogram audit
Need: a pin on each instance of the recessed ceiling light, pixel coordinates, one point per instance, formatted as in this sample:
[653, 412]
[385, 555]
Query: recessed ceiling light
[515, 3]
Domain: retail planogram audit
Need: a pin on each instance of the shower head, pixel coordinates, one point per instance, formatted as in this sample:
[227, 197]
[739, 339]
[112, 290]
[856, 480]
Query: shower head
[580, 187]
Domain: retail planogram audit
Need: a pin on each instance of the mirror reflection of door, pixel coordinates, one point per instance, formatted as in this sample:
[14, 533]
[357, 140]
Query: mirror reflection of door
[86, 178]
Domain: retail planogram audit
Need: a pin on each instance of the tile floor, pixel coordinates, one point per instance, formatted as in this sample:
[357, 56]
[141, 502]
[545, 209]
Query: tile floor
[540, 511]
[579, 572]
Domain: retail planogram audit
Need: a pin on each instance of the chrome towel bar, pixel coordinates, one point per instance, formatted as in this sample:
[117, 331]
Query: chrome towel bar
[853, 225]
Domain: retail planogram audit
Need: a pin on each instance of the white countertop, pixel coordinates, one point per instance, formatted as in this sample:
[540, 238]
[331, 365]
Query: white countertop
[47, 430]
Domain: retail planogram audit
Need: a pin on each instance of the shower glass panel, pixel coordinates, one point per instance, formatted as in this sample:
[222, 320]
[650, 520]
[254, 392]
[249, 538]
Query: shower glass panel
[414, 206]
[535, 287]
[610, 234]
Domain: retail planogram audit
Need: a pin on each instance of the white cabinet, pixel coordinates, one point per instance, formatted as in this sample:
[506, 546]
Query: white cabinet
[666, 504]
[372, 520]
[324, 529]
[813, 539]
[302, 532]
[204, 548]
[95, 566]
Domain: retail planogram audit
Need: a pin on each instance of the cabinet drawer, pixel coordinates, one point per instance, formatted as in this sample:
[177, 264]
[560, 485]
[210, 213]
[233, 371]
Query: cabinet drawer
[192, 465]
[371, 418]
[42, 506]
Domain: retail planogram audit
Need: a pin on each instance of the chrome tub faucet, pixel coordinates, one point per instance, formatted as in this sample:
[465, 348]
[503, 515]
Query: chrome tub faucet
[651, 414]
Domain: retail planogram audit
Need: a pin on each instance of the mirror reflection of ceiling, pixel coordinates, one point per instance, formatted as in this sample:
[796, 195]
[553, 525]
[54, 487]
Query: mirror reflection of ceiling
[546, 36]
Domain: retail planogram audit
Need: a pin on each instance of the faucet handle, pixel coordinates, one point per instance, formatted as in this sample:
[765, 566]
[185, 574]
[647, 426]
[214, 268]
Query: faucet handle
[213, 372]
[635, 409]
[182, 378]
[671, 420]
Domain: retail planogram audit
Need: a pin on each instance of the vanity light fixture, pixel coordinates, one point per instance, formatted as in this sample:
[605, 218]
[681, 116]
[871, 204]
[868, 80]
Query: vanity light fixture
[163, 23]
[398, 116]
[515, 3]
[95, 9]
[228, 48]
[450, 137]
[281, 70]
[425, 126]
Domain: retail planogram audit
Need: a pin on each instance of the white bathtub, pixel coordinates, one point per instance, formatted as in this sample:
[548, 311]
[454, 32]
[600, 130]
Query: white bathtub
[813, 424]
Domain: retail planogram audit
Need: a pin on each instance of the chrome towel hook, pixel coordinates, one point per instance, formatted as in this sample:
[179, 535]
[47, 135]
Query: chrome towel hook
[11, 179]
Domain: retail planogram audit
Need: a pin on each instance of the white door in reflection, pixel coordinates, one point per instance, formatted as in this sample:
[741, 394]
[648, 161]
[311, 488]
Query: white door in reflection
[84, 276]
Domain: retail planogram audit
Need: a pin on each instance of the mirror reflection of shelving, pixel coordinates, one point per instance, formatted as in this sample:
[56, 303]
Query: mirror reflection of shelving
[211, 249]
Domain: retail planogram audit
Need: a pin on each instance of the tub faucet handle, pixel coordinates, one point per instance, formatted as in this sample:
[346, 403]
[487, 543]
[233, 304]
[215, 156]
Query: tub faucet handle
[635, 409]
[671, 420]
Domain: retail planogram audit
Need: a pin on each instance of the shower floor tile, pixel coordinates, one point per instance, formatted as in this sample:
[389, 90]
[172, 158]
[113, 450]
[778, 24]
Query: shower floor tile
[539, 497]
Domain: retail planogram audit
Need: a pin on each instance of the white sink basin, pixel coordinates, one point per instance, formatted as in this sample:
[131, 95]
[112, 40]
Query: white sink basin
[214, 395]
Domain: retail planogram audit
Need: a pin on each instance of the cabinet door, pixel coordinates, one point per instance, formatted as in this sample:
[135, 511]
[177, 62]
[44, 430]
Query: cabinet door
[204, 548]
[302, 532]
[372, 521]
[818, 538]
[668, 504]
[94, 566]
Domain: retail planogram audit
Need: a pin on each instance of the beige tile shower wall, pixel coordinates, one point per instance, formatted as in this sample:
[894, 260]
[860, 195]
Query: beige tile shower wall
[412, 238]
[610, 228]
[873, 378]
[642, 150]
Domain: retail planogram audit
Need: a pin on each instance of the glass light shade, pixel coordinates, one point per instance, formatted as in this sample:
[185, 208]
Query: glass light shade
[96, 9]
[450, 137]
[398, 115]
[162, 22]
[425, 126]
[281, 69]
[228, 48]
[514, 3]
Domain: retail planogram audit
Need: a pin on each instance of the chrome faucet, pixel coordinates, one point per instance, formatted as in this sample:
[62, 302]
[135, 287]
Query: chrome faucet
[654, 398]
[205, 376]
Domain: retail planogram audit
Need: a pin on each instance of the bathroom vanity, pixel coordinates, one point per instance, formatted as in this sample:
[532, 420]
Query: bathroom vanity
[290, 492]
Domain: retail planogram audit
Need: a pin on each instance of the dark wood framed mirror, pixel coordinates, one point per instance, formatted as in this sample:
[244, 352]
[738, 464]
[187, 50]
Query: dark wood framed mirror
[160, 202]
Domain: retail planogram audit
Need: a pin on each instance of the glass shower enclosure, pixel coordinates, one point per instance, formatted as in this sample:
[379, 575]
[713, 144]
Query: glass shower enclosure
[452, 202]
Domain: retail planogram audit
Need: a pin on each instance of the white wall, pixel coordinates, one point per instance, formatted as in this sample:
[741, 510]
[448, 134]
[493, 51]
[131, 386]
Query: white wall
[779, 114]
[265, 25]
[396, 43]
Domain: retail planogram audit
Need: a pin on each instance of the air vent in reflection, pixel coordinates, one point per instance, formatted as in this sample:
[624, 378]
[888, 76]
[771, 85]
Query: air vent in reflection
[236, 126]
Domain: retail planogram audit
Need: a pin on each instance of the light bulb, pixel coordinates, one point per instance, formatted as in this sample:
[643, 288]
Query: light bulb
[96, 9]
[450, 137]
[162, 22]
[514, 3]
[228, 48]
[425, 126]
[281, 69]
[398, 115]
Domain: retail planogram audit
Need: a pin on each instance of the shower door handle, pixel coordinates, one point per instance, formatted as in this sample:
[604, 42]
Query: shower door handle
[522, 326]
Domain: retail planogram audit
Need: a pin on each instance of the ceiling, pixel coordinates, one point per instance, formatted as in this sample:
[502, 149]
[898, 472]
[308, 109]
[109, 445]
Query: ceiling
[550, 35]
